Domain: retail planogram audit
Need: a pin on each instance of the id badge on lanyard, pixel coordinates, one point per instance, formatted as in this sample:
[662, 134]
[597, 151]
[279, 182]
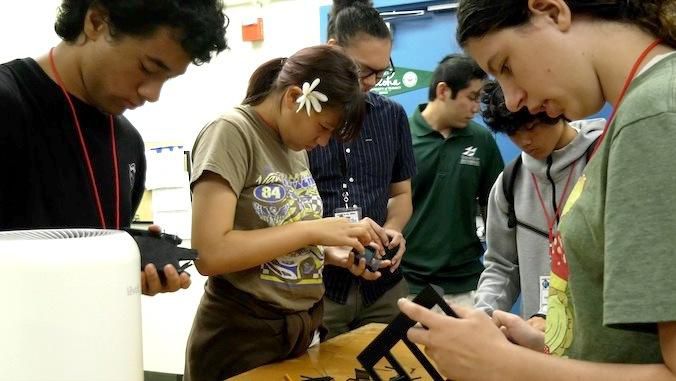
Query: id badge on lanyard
[353, 214]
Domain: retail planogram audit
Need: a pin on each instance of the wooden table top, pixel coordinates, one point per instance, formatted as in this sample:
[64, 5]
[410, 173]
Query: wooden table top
[337, 358]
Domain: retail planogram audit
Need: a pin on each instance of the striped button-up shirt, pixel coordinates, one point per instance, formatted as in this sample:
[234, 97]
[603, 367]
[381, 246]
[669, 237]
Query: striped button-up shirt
[361, 172]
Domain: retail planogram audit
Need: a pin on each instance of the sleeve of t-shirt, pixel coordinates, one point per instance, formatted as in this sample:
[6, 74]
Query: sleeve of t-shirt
[492, 170]
[404, 162]
[640, 216]
[221, 148]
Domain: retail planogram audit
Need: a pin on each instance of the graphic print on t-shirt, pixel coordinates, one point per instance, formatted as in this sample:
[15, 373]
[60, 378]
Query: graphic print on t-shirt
[559, 332]
[281, 199]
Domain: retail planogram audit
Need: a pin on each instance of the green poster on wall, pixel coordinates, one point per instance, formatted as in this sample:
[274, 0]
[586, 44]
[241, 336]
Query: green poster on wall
[402, 81]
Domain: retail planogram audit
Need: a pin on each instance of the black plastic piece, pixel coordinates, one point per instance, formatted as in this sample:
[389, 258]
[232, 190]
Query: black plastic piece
[382, 345]
[161, 249]
[372, 260]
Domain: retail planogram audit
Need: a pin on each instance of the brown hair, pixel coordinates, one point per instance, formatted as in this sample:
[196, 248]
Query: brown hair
[339, 82]
[477, 18]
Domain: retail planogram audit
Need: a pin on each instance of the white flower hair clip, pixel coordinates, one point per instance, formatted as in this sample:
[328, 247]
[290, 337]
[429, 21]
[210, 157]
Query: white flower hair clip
[311, 98]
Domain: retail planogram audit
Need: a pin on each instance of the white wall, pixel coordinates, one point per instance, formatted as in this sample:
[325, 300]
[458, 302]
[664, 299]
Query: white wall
[189, 101]
[186, 104]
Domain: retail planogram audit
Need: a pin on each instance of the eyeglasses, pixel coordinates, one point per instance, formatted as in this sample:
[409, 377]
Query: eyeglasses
[365, 71]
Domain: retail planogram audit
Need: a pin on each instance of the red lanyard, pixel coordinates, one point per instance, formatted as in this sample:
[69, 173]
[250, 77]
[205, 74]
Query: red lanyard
[85, 152]
[552, 220]
[627, 82]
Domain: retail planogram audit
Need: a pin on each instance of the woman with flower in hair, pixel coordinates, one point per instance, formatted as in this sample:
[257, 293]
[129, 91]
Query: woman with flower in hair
[257, 214]
[612, 311]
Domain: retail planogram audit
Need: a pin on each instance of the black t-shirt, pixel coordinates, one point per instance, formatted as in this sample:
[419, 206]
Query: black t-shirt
[45, 182]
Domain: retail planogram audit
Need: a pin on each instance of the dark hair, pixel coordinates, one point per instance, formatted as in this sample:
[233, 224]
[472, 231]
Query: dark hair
[499, 119]
[456, 71]
[201, 23]
[338, 81]
[350, 18]
[477, 18]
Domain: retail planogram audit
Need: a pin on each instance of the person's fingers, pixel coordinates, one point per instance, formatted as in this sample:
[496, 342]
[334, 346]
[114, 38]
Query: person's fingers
[419, 335]
[362, 234]
[396, 260]
[358, 268]
[185, 280]
[505, 332]
[155, 229]
[382, 237]
[385, 263]
[172, 280]
[502, 318]
[377, 248]
[371, 275]
[463, 312]
[395, 241]
[416, 312]
[356, 244]
[152, 283]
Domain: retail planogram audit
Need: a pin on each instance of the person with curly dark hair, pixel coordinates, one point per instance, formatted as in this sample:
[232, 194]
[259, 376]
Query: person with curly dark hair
[555, 153]
[74, 161]
[611, 312]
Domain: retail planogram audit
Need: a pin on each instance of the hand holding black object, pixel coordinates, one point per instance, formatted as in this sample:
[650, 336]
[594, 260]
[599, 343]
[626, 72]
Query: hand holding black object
[161, 249]
[373, 262]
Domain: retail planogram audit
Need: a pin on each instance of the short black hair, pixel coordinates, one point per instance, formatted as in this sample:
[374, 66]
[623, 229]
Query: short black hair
[456, 71]
[350, 18]
[201, 23]
[499, 119]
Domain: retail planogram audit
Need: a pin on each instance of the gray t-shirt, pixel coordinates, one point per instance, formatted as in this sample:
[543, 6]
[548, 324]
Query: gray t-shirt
[274, 187]
[618, 234]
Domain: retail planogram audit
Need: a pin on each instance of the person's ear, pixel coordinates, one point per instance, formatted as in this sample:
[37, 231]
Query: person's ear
[553, 11]
[442, 91]
[332, 42]
[290, 96]
[95, 23]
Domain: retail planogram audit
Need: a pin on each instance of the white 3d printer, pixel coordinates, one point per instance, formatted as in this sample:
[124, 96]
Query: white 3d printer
[70, 306]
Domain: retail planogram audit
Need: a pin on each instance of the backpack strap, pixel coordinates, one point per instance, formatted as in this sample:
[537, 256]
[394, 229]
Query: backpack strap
[508, 180]
[590, 150]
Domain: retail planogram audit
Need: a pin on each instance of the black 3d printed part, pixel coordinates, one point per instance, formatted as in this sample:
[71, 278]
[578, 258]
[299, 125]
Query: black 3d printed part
[161, 249]
[381, 346]
[372, 260]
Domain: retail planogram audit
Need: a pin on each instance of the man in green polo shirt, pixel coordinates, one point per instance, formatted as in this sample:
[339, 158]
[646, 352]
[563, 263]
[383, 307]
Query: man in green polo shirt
[458, 162]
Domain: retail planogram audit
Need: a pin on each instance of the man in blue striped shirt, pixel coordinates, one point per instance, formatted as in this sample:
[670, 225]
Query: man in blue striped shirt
[368, 178]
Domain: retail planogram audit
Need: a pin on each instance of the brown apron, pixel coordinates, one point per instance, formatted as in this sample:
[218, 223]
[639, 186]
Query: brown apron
[234, 332]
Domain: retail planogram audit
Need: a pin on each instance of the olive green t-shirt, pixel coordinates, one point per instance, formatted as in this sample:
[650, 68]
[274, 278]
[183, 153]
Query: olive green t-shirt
[274, 187]
[618, 234]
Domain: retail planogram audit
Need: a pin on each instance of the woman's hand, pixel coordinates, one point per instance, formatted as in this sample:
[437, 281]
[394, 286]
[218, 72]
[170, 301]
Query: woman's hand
[463, 348]
[537, 322]
[338, 231]
[519, 331]
[379, 236]
[344, 257]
